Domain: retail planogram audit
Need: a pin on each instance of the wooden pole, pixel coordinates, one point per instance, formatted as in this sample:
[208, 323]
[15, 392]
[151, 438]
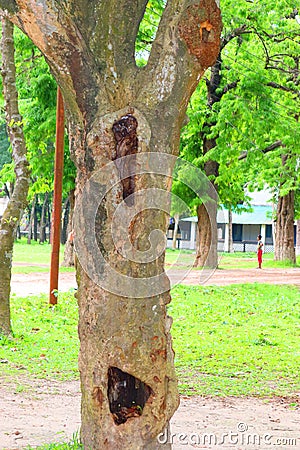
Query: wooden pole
[57, 198]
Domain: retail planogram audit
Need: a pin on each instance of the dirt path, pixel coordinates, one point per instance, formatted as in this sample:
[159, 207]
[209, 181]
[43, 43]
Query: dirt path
[50, 412]
[36, 283]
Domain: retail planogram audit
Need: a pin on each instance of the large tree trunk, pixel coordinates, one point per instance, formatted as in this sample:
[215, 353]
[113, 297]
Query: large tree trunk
[207, 253]
[284, 240]
[117, 109]
[17, 201]
[207, 242]
[69, 247]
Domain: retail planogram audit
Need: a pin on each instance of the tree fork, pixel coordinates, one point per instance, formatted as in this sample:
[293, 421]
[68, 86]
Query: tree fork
[125, 337]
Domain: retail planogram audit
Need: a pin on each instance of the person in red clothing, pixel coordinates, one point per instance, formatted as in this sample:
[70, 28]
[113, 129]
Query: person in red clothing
[259, 251]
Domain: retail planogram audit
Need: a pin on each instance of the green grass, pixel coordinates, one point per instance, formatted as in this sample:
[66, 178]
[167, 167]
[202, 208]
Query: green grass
[74, 444]
[237, 340]
[231, 340]
[45, 342]
[182, 259]
[34, 257]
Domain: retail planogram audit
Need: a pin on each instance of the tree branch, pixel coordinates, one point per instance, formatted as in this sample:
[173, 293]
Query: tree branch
[187, 42]
[229, 86]
[270, 147]
[233, 34]
[282, 88]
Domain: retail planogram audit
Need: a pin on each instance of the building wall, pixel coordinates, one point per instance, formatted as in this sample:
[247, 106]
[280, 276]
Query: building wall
[3, 204]
[250, 232]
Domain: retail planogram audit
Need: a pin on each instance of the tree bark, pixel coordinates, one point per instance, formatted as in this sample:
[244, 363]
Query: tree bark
[18, 199]
[206, 251]
[207, 244]
[284, 241]
[116, 109]
[206, 255]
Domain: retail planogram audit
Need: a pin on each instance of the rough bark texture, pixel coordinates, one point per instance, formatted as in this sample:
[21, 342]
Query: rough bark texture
[90, 48]
[284, 237]
[17, 201]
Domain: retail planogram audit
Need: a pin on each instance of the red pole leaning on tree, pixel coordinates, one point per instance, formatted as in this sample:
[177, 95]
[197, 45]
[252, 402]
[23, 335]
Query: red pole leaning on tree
[57, 197]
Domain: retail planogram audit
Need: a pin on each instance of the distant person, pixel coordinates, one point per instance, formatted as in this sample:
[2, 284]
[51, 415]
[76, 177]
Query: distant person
[259, 251]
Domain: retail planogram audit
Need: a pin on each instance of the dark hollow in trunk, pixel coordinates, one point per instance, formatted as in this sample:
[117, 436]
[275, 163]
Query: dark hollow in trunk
[127, 395]
[125, 133]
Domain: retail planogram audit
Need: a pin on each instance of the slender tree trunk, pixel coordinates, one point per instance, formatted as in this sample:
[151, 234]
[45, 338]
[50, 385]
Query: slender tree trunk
[284, 242]
[175, 231]
[298, 238]
[18, 199]
[230, 237]
[35, 221]
[65, 221]
[69, 248]
[18, 233]
[49, 219]
[43, 222]
[31, 220]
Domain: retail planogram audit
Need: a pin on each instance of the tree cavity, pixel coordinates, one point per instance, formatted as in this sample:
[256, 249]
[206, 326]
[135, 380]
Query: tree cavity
[126, 143]
[127, 395]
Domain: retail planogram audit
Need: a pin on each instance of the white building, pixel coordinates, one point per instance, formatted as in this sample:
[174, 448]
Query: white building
[3, 204]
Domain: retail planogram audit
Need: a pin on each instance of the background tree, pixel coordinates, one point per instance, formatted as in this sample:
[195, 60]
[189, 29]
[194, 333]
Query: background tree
[37, 99]
[250, 118]
[17, 201]
[90, 47]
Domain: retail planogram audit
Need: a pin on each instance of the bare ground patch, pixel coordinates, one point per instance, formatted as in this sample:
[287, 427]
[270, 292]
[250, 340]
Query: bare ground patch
[49, 411]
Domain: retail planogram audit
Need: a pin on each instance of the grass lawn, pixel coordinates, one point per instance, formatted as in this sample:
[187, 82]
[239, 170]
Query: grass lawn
[36, 258]
[73, 445]
[231, 340]
[181, 259]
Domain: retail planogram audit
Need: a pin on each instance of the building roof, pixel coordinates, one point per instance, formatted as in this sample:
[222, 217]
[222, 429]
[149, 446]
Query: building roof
[260, 215]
